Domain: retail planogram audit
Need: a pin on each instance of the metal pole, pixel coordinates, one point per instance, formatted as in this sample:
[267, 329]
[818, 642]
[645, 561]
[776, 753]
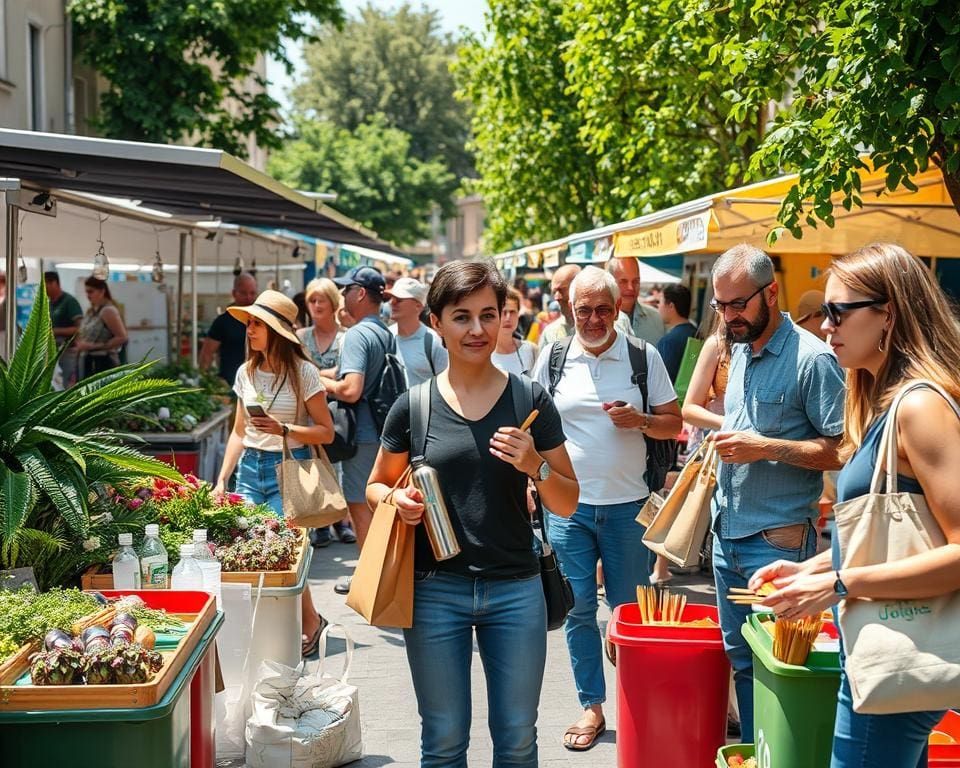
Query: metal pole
[10, 305]
[179, 323]
[193, 300]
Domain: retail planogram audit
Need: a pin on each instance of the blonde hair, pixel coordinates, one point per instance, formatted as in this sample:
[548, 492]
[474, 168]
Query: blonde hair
[923, 340]
[326, 287]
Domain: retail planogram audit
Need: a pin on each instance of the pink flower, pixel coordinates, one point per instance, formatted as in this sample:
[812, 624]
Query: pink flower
[134, 503]
[235, 498]
[192, 480]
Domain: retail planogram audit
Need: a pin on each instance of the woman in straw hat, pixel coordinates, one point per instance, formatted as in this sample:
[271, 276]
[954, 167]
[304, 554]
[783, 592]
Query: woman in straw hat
[275, 388]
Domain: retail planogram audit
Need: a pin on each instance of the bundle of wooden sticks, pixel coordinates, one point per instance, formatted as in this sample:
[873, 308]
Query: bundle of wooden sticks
[793, 639]
[659, 606]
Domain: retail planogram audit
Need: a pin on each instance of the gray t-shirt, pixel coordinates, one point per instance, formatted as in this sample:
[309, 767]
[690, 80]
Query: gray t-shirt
[413, 353]
[363, 352]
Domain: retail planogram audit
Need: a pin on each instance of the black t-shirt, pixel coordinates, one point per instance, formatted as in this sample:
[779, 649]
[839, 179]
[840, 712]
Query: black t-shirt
[232, 335]
[486, 497]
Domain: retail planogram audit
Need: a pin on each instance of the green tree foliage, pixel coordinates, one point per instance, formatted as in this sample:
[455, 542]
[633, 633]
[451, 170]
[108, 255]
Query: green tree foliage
[373, 171]
[395, 63]
[185, 70]
[881, 76]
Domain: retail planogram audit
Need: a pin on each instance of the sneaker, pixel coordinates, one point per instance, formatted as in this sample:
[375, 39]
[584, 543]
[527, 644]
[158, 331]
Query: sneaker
[345, 533]
[342, 586]
[320, 537]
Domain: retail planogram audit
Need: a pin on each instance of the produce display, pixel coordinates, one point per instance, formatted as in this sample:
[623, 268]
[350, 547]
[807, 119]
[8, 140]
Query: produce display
[264, 547]
[739, 761]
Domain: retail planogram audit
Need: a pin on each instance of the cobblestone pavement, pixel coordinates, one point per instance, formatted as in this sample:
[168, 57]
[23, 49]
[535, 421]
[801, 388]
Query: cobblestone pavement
[391, 731]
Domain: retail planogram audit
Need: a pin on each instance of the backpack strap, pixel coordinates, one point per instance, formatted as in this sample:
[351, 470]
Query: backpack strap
[419, 419]
[428, 351]
[638, 362]
[521, 390]
[558, 358]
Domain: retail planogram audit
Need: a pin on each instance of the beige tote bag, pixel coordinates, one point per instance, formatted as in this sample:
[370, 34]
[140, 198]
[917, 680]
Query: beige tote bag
[311, 494]
[902, 655]
[680, 525]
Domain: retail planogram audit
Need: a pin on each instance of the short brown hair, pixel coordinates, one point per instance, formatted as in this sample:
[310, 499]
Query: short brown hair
[456, 280]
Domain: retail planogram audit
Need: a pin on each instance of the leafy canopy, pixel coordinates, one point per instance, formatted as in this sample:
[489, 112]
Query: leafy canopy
[372, 170]
[186, 70]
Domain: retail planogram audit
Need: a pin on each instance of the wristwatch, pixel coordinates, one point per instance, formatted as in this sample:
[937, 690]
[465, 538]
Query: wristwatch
[646, 422]
[839, 587]
[543, 472]
[286, 429]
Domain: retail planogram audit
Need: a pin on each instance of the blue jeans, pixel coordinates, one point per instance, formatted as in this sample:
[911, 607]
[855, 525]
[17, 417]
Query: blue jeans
[610, 533]
[510, 617]
[257, 476]
[879, 741]
[734, 562]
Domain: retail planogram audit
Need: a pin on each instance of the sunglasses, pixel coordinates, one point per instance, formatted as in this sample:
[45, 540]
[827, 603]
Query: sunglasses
[834, 311]
[737, 305]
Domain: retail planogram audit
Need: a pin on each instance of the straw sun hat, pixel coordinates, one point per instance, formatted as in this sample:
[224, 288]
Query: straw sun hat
[274, 310]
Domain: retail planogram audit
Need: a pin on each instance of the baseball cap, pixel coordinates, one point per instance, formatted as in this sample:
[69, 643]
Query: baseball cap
[366, 277]
[408, 288]
[809, 305]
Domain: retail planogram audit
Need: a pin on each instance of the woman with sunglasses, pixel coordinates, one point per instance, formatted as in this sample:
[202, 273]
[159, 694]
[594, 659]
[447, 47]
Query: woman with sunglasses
[889, 323]
[492, 589]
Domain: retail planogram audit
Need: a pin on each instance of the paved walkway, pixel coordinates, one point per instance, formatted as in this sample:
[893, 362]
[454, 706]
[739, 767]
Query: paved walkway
[391, 730]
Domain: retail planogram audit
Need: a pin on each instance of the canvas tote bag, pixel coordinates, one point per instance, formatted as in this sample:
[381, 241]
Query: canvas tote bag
[382, 586]
[681, 523]
[309, 489]
[902, 655]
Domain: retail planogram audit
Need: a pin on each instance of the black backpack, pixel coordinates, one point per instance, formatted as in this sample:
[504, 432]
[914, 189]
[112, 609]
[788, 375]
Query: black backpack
[661, 454]
[391, 381]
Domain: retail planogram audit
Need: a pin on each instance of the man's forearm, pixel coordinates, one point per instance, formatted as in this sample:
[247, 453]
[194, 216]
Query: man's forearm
[820, 453]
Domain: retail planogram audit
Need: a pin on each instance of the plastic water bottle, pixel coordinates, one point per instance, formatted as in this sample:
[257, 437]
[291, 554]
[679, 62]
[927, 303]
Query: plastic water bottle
[209, 565]
[126, 564]
[154, 563]
[187, 573]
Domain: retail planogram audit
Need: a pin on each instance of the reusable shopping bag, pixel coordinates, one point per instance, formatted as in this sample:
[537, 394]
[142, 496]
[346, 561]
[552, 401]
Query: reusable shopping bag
[902, 655]
[679, 527]
[304, 719]
[309, 490]
[382, 587]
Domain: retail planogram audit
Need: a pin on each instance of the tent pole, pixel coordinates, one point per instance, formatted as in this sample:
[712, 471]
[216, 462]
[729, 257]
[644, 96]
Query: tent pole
[10, 305]
[193, 300]
[179, 321]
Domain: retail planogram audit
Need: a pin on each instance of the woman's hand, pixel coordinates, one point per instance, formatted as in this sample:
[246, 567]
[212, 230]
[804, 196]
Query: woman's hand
[219, 490]
[781, 573]
[511, 445]
[409, 503]
[808, 594]
[84, 346]
[267, 424]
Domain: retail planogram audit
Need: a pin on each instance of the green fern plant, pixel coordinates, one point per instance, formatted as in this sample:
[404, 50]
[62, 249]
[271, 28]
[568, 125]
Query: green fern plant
[53, 444]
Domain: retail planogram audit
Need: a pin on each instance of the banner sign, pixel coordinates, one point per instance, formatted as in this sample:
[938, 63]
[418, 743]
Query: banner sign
[680, 236]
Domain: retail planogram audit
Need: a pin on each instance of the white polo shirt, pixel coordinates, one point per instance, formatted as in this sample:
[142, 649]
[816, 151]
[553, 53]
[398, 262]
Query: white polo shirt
[609, 462]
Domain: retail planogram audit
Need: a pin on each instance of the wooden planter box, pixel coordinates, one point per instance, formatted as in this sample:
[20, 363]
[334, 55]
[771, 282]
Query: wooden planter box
[43, 697]
[94, 580]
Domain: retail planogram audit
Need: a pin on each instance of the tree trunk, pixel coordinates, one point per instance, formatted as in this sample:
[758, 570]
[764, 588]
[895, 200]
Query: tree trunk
[950, 180]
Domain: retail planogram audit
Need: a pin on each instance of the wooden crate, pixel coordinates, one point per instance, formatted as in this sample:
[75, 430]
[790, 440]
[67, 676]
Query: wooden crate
[92, 579]
[45, 697]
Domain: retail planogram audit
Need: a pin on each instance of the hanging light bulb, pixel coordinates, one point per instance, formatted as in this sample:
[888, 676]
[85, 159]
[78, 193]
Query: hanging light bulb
[157, 274]
[253, 267]
[22, 269]
[101, 265]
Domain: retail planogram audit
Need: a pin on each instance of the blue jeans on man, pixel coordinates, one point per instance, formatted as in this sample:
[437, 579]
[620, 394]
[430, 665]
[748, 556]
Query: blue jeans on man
[510, 620]
[607, 532]
[734, 562]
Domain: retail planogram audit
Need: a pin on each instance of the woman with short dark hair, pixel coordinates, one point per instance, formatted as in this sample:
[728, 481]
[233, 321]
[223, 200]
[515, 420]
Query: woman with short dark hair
[492, 588]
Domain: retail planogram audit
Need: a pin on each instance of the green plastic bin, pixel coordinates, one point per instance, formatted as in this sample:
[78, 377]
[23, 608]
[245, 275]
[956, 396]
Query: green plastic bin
[746, 750]
[145, 737]
[794, 707]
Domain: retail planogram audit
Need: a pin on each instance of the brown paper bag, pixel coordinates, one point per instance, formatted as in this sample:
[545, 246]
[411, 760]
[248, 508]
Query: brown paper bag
[382, 587]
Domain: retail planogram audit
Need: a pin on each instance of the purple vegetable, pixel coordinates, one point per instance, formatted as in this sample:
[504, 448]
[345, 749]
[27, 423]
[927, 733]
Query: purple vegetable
[121, 634]
[57, 638]
[126, 618]
[94, 638]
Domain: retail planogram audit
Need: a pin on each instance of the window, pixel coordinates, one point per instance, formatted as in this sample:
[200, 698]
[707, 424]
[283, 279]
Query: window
[35, 76]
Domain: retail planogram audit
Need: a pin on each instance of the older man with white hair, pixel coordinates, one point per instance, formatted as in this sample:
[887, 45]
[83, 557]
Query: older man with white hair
[591, 376]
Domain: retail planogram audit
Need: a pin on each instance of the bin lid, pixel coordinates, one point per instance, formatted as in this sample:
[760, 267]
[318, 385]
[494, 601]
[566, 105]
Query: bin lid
[819, 663]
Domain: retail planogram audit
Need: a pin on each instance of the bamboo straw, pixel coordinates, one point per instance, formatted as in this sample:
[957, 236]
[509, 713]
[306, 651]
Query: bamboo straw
[529, 420]
[793, 639]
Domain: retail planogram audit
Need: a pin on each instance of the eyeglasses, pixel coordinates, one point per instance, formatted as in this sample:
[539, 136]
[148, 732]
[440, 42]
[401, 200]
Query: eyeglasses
[604, 312]
[737, 305]
[834, 311]
[347, 288]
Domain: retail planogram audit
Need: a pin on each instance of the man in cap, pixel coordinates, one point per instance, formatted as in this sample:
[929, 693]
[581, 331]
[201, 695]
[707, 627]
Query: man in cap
[362, 360]
[810, 313]
[420, 347]
[227, 335]
[644, 320]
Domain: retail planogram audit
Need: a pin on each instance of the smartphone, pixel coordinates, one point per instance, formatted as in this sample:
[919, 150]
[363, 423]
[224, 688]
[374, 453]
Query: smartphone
[255, 410]
[614, 404]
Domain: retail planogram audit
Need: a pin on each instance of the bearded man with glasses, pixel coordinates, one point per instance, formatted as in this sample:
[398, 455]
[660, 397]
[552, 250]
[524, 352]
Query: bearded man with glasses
[782, 425]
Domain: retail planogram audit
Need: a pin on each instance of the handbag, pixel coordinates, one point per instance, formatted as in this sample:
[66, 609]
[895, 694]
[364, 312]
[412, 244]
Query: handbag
[304, 720]
[557, 591]
[309, 489]
[344, 445]
[902, 655]
[382, 587]
[680, 525]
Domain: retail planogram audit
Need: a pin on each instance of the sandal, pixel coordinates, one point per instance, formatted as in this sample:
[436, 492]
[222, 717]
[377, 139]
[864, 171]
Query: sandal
[593, 731]
[309, 646]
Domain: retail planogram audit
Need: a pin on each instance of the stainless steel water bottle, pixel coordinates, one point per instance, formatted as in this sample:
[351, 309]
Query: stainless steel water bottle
[436, 518]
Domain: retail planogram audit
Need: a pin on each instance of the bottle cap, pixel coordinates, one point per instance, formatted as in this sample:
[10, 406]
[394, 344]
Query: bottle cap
[125, 539]
[200, 534]
[152, 529]
[186, 550]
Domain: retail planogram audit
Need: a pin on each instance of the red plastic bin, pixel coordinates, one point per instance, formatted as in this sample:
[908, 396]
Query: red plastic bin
[203, 750]
[946, 755]
[673, 685]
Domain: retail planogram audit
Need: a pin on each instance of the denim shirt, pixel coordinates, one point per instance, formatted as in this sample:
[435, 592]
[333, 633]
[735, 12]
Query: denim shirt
[792, 390]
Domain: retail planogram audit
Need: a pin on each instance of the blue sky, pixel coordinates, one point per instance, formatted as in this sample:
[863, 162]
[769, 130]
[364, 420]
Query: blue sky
[455, 14]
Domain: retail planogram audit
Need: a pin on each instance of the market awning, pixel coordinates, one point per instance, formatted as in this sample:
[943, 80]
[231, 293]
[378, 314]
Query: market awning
[186, 181]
